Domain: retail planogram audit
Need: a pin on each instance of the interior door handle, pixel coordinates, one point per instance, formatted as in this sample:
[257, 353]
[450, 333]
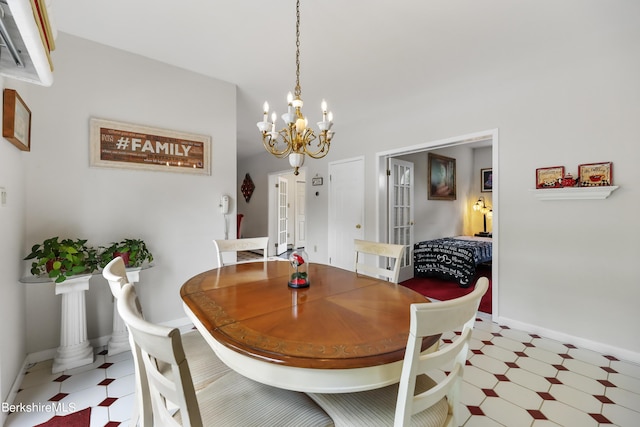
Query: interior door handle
[358, 226]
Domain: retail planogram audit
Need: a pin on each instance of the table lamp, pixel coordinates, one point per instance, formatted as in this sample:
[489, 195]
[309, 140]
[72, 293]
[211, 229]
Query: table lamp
[481, 206]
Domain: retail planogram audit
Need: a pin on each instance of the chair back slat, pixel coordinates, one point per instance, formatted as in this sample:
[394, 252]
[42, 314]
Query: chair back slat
[238, 245]
[387, 250]
[116, 274]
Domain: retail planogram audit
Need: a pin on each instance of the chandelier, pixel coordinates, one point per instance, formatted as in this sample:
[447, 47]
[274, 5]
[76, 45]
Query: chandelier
[296, 139]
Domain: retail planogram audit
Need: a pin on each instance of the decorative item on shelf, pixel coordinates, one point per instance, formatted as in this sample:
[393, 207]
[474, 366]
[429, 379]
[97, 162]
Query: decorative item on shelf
[247, 187]
[481, 206]
[568, 181]
[595, 174]
[134, 253]
[62, 259]
[294, 140]
[550, 177]
[299, 269]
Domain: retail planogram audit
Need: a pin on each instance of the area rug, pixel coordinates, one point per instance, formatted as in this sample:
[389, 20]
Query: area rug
[76, 419]
[443, 290]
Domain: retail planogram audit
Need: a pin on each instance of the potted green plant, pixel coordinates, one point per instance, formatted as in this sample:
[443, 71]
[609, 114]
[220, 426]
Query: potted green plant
[62, 259]
[134, 253]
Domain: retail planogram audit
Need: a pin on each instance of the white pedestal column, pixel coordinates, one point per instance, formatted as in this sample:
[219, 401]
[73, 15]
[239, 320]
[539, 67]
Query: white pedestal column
[119, 340]
[74, 349]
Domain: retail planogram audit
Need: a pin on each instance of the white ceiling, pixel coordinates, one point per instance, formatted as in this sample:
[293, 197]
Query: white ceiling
[354, 53]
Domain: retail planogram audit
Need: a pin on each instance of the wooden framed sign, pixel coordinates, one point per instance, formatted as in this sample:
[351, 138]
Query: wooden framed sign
[16, 121]
[125, 145]
[549, 177]
[595, 174]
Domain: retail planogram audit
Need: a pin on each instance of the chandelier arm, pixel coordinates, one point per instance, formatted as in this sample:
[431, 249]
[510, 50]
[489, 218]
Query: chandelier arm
[270, 144]
[323, 146]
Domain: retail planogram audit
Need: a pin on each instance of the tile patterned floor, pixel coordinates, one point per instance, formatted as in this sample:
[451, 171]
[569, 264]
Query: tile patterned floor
[512, 378]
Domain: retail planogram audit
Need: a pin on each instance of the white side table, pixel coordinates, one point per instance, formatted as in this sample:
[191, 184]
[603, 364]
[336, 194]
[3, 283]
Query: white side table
[119, 340]
[75, 349]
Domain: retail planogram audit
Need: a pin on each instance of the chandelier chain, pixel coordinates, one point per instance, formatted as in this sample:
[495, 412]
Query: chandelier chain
[297, 90]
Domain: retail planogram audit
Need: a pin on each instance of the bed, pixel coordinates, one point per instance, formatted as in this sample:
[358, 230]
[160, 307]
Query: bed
[451, 258]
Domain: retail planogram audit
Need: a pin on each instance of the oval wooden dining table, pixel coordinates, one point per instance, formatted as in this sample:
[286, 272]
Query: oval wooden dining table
[346, 332]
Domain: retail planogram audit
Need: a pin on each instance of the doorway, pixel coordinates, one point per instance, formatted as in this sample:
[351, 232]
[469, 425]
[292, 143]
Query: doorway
[385, 192]
[286, 212]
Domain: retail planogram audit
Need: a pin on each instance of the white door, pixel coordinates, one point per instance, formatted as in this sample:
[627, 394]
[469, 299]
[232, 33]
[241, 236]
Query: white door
[300, 215]
[346, 211]
[401, 212]
[283, 203]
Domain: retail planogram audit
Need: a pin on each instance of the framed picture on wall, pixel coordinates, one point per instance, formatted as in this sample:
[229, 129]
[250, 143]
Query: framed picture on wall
[131, 146]
[16, 121]
[595, 174]
[549, 177]
[442, 177]
[486, 179]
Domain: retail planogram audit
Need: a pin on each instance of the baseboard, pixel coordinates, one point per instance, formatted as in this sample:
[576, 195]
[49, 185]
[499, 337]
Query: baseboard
[15, 387]
[617, 352]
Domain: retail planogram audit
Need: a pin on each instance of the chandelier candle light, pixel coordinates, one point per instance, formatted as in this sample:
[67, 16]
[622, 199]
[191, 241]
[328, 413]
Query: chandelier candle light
[295, 139]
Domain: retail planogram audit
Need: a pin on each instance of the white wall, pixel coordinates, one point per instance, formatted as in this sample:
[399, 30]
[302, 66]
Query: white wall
[12, 302]
[176, 214]
[567, 268]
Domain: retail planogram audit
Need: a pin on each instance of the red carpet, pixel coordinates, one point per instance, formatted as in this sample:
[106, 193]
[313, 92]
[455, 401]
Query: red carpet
[443, 290]
[77, 419]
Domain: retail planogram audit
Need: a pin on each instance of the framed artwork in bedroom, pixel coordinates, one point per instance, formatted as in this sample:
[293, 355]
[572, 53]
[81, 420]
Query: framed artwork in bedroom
[486, 180]
[442, 177]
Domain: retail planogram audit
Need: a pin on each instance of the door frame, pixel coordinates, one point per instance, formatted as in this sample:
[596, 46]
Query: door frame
[381, 217]
[272, 214]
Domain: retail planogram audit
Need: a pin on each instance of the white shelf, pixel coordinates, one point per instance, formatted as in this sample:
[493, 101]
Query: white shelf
[574, 193]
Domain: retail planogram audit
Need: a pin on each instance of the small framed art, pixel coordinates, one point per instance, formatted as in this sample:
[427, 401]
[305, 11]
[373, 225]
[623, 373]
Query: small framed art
[442, 177]
[16, 121]
[595, 174]
[486, 179]
[549, 177]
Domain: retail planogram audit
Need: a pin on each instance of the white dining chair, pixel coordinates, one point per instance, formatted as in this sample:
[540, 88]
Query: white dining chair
[206, 366]
[239, 245]
[418, 400]
[388, 250]
[232, 400]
